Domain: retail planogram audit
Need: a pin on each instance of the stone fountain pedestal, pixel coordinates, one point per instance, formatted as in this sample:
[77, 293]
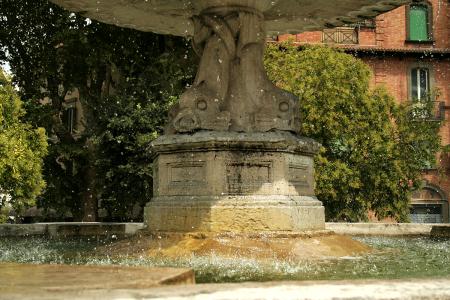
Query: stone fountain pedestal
[234, 182]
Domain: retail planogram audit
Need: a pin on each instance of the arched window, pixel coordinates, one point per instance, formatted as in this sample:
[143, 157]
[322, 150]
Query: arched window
[419, 22]
[429, 205]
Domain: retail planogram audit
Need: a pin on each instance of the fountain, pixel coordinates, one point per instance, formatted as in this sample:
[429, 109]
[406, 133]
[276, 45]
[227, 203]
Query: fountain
[231, 160]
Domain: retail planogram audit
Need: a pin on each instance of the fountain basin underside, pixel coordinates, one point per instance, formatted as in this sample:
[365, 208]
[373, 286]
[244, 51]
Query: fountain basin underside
[234, 182]
[282, 16]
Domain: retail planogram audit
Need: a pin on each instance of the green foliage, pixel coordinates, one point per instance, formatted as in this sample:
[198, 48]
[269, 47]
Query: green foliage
[373, 148]
[126, 80]
[130, 118]
[22, 149]
[123, 158]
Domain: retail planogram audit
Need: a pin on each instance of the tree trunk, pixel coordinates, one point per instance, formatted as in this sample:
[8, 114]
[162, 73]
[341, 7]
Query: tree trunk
[89, 195]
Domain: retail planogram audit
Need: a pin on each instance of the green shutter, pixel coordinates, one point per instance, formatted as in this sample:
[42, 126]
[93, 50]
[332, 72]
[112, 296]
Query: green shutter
[418, 23]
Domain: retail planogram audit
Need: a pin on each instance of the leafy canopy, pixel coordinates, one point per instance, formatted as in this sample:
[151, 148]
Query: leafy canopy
[22, 149]
[373, 148]
[126, 80]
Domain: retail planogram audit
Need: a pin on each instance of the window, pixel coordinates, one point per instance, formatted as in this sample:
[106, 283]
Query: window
[68, 118]
[420, 83]
[424, 101]
[426, 213]
[419, 22]
[429, 205]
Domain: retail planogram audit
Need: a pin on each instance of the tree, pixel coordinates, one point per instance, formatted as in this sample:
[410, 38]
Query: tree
[116, 71]
[373, 148]
[22, 149]
[131, 119]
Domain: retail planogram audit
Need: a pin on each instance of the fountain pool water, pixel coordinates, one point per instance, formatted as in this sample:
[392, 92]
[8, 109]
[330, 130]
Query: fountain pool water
[393, 258]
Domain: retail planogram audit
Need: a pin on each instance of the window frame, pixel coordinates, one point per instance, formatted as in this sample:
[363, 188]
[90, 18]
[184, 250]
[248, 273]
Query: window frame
[418, 96]
[431, 82]
[71, 118]
[429, 24]
[442, 201]
[69, 115]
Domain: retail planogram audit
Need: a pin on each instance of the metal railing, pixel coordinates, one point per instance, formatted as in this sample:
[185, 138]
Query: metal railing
[434, 112]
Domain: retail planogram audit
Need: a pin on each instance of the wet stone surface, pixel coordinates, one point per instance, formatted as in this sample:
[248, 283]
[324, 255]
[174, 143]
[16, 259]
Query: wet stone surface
[441, 231]
[30, 279]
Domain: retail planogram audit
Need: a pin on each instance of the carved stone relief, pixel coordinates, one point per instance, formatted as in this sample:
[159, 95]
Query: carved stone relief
[231, 91]
[248, 177]
[186, 174]
[299, 175]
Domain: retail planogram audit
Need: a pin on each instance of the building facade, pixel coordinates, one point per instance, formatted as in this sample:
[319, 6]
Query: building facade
[408, 50]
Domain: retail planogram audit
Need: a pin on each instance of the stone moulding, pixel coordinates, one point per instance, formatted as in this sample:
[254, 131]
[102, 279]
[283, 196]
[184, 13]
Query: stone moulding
[216, 141]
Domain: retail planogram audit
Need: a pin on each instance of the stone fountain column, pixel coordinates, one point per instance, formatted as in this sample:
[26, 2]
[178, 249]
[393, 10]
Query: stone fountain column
[231, 159]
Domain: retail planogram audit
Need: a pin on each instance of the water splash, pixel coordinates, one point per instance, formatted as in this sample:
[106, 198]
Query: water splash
[393, 258]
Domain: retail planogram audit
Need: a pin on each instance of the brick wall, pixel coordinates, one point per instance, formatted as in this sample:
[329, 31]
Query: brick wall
[367, 36]
[392, 31]
[312, 37]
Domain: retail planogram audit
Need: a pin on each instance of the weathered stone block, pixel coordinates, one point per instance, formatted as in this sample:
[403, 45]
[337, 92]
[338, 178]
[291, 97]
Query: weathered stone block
[440, 231]
[218, 182]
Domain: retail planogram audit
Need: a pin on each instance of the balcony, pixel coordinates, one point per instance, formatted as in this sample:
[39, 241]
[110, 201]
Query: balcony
[340, 35]
[428, 110]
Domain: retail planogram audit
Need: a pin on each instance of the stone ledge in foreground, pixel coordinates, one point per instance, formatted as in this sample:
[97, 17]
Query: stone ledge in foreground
[28, 280]
[66, 229]
[62, 229]
[390, 229]
[416, 289]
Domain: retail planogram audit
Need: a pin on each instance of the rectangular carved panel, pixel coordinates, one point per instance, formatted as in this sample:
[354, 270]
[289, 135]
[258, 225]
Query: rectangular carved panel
[187, 174]
[299, 175]
[248, 177]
